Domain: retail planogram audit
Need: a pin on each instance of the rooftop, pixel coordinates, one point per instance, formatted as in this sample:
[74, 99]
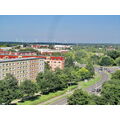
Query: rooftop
[19, 59]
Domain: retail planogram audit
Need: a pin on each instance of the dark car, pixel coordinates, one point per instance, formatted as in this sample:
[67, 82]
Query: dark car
[93, 90]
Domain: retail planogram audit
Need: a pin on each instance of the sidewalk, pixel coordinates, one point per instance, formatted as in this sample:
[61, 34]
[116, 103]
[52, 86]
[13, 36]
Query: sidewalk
[58, 97]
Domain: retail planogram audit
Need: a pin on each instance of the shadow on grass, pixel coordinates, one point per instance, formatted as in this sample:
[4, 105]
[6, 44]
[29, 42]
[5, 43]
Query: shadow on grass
[32, 98]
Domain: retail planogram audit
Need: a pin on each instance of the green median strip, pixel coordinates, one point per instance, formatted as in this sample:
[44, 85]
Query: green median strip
[47, 97]
[84, 85]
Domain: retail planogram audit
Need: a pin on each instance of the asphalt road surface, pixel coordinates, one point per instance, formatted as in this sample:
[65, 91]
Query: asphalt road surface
[90, 89]
[104, 77]
[62, 101]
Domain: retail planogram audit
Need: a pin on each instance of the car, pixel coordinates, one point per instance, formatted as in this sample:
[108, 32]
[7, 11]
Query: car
[105, 68]
[93, 90]
[98, 90]
[101, 68]
[109, 71]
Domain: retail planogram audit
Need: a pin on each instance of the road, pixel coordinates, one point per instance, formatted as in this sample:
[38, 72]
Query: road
[90, 89]
[104, 77]
[62, 101]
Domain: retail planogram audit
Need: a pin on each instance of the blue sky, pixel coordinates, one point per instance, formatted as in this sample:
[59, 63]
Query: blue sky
[66, 28]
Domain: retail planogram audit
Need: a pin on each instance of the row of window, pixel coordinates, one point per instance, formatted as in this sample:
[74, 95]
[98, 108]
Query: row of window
[41, 68]
[33, 65]
[19, 76]
[15, 72]
[37, 65]
[9, 64]
[9, 69]
[23, 67]
[53, 61]
[36, 61]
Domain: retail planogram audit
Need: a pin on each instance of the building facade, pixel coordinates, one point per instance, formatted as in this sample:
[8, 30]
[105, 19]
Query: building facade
[39, 46]
[51, 51]
[21, 68]
[3, 52]
[54, 62]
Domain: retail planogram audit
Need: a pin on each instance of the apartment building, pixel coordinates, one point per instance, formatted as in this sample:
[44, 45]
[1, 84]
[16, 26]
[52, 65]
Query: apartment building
[60, 47]
[54, 62]
[22, 68]
[3, 52]
[39, 46]
[51, 51]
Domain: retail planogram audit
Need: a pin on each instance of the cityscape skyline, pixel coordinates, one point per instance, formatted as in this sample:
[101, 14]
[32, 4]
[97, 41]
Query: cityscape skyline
[60, 28]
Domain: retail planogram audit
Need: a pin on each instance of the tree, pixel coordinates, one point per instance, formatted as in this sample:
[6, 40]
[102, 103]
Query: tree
[51, 81]
[17, 47]
[80, 97]
[117, 61]
[51, 46]
[61, 78]
[26, 45]
[28, 88]
[80, 56]
[57, 54]
[43, 83]
[110, 92]
[9, 89]
[94, 59]
[106, 61]
[47, 66]
[12, 50]
[98, 100]
[116, 75]
[113, 54]
[69, 61]
[84, 73]
[28, 50]
[91, 69]
[71, 74]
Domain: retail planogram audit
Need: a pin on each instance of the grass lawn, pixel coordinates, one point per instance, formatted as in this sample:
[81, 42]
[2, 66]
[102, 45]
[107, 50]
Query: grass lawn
[44, 98]
[90, 82]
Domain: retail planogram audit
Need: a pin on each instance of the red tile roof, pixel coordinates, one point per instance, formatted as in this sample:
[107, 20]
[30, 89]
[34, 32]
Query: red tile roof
[45, 57]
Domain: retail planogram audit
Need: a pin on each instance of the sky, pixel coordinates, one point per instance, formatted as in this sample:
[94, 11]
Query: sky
[60, 28]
